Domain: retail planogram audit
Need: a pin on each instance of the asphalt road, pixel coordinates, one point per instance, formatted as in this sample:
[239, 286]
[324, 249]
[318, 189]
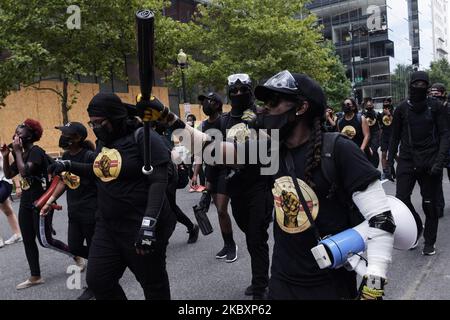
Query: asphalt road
[195, 274]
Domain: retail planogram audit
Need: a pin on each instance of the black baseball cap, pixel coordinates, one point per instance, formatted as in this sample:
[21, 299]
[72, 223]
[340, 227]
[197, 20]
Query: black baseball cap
[74, 128]
[212, 95]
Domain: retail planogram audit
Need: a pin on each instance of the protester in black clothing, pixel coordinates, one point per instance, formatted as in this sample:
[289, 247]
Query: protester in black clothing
[439, 92]
[81, 193]
[354, 125]
[134, 220]
[420, 126]
[295, 104]
[215, 178]
[30, 161]
[331, 119]
[374, 121]
[386, 132]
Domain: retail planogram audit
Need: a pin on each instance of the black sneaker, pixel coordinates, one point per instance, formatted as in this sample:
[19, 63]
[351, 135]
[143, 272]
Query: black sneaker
[86, 295]
[222, 254]
[249, 290]
[260, 295]
[232, 254]
[193, 234]
[428, 250]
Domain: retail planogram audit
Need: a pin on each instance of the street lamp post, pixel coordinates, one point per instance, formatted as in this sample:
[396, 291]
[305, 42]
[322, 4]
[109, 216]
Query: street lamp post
[182, 62]
[351, 33]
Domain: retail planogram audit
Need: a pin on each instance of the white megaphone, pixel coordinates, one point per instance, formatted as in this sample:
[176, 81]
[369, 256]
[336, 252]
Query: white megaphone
[345, 248]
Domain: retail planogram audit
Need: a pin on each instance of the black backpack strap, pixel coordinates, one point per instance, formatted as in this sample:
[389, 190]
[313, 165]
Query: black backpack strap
[290, 166]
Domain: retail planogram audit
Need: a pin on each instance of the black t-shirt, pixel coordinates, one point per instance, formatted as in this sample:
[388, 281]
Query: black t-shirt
[33, 184]
[122, 187]
[211, 172]
[374, 120]
[386, 127]
[248, 177]
[352, 128]
[292, 260]
[81, 191]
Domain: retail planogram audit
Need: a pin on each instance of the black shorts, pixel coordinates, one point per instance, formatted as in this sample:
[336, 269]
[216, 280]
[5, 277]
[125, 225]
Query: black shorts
[5, 190]
[384, 145]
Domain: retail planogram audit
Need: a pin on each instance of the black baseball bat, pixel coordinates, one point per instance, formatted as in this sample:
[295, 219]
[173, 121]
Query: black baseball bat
[145, 24]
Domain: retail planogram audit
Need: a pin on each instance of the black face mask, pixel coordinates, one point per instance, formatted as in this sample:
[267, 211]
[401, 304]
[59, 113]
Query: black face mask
[347, 109]
[417, 94]
[241, 102]
[208, 108]
[277, 122]
[65, 142]
[107, 135]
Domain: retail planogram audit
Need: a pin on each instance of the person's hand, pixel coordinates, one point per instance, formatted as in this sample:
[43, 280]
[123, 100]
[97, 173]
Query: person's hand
[152, 110]
[45, 209]
[194, 181]
[58, 167]
[436, 170]
[146, 238]
[18, 191]
[17, 144]
[249, 117]
[5, 151]
[371, 288]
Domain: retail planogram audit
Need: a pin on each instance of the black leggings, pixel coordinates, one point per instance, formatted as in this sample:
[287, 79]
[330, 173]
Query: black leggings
[78, 232]
[171, 194]
[32, 225]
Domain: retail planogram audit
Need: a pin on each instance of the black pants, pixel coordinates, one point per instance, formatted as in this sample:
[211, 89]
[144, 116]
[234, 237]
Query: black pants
[32, 226]
[171, 194]
[78, 232]
[112, 252]
[252, 211]
[440, 201]
[374, 145]
[407, 176]
[343, 286]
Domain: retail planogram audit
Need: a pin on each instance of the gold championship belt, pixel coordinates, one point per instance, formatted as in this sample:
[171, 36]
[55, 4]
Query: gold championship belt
[371, 122]
[107, 164]
[70, 180]
[289, 212]
[387, 120]
[239, 133]
[349, 131]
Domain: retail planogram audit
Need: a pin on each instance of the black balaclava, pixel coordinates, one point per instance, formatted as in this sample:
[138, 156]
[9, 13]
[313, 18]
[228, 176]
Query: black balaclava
[241, 102]
[209, 107]
[109, 106]
[418, 96]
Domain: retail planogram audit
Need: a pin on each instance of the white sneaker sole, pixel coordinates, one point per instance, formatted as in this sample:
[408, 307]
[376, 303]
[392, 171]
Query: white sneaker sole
[235, 257]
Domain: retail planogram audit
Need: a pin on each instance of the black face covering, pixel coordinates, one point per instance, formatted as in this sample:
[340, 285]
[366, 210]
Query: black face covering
[65, 142]
[280, 122]
[240, 103]
[208, 108]
[347, 109]
[417, 94]
[107, 136]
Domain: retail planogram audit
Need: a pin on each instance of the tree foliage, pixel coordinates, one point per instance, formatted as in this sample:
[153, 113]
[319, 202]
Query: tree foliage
[440, 72]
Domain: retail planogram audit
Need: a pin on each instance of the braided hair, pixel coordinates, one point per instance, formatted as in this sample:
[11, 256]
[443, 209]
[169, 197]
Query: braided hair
[313, 154]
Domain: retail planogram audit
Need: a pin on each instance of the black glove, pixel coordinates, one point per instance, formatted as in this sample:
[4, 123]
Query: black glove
[371, 288]
[436, 170]
[152, 110]
[58, 167]
[146, 236]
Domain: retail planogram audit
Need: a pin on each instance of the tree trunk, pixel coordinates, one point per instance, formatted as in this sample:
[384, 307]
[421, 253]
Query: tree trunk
[64, 108]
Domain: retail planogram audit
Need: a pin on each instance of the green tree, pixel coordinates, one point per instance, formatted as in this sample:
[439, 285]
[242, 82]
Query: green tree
[259, 37]
[440, 72]
[39, 44]
[338, 87]
[400, 82]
